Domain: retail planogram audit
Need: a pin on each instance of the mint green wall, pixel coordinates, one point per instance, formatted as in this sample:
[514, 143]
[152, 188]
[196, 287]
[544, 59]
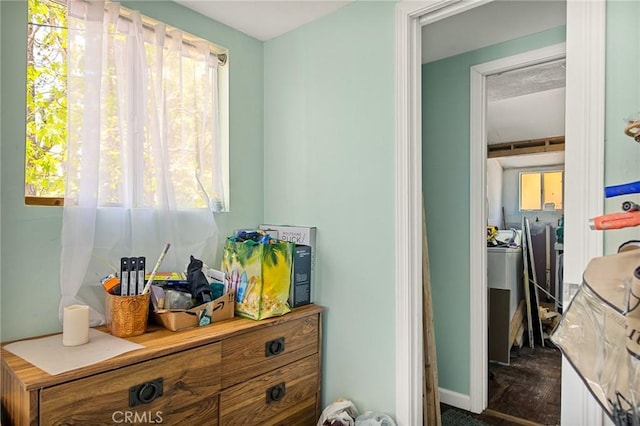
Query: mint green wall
[30, 248]
[324, 96]
[329, 162]
[622, 153]
[445, 162]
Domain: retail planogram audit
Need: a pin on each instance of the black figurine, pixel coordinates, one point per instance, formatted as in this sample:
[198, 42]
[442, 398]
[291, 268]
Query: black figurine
[199, 285]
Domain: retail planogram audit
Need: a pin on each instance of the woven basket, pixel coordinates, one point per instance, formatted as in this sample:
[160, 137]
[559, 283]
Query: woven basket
[126, 316]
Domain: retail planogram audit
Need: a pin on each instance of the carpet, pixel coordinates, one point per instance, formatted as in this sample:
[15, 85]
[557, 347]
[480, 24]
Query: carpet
[452, 417]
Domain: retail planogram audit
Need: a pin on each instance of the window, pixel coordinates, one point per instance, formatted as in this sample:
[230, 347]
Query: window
[46, 116]
[541, 191]
[198, 152]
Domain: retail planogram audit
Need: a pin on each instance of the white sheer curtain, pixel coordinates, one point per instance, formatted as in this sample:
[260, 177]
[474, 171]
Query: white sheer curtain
[143, 155]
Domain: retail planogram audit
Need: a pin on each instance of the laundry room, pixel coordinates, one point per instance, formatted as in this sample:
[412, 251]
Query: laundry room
[525, 166]
[525, 175]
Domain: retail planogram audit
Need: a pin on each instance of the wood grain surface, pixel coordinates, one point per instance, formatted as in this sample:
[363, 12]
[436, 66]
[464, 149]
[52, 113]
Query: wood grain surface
[207, 372]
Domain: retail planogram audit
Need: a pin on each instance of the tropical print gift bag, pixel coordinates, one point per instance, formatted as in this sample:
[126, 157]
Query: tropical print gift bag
[258, 268]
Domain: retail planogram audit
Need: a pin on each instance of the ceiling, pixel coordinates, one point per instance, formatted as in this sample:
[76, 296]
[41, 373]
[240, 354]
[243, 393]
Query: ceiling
[524, 81]
[490, 24]
[264, 19]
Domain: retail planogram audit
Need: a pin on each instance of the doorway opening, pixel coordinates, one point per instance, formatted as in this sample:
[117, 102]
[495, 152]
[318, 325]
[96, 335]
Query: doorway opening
[525, 137]
[585, 98]
[455, 122]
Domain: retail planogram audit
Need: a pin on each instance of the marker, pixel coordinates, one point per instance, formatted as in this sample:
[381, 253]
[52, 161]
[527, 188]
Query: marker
[155, 269]
[124, 276]
[133, 276]
[141, 271]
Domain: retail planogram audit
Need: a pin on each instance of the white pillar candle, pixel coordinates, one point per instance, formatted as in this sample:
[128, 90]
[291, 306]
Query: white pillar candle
[75, 325]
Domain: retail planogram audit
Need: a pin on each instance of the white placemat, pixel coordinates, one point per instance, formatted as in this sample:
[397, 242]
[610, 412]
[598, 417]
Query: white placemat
[50, 355]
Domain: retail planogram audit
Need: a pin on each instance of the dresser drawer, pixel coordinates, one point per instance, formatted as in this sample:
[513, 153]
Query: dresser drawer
[275, 397]
[302, 414]
[251, 354]
[190, 381]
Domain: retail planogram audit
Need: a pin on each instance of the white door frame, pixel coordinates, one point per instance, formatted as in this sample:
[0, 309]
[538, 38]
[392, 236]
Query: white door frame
[584, 124]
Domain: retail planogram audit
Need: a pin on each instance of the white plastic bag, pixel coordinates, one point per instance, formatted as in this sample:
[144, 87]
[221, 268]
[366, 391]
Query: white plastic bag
[340, 412]
[372, 418]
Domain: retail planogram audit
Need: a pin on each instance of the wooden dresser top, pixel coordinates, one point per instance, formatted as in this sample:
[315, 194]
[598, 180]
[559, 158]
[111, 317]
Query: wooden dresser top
[157, 342]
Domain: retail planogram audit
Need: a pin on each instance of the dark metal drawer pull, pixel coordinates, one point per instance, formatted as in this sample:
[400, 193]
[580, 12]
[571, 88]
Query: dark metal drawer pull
[274, 347]
[144, 393]
[276, 393]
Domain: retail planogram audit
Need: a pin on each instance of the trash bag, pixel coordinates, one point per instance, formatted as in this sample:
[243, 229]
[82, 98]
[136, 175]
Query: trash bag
[373, 418]
[340, 412]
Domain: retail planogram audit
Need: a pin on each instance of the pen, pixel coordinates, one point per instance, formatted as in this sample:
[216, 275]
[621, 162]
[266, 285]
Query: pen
[155, 269]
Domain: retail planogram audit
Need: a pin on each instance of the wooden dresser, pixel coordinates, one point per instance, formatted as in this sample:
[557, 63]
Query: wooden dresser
[233, 372]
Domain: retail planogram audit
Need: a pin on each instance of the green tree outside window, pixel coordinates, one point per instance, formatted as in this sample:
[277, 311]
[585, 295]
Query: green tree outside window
[46, 114]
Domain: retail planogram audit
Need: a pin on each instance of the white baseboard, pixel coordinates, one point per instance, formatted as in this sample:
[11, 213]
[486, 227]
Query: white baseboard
[455, 399]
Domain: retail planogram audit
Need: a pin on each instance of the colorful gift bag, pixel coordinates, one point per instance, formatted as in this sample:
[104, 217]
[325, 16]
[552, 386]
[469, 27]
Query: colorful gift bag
[260, 274]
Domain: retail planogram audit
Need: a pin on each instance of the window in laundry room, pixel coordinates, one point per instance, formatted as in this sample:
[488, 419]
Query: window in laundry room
[541, 191]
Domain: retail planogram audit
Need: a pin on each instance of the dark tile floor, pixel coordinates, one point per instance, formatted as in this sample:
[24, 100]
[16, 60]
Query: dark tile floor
[527, 392]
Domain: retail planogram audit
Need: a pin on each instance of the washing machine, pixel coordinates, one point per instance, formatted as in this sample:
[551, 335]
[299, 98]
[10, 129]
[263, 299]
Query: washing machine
[505, 285]
[505, 267]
